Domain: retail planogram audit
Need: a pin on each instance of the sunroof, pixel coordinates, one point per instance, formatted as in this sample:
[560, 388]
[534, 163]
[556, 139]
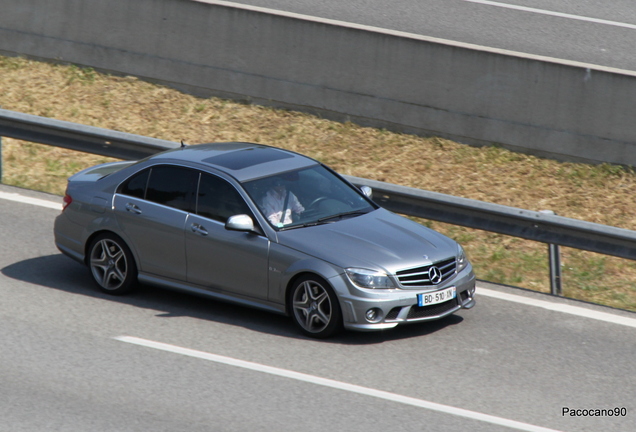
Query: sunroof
[249, 157]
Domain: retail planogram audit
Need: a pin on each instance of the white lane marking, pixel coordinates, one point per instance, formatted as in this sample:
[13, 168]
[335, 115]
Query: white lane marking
[556, 14]
[28, 200]
[558, 307]
[393, 397]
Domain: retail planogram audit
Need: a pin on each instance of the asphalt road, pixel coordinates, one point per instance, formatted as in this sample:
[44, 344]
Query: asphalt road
[589, 31]
[73, 359]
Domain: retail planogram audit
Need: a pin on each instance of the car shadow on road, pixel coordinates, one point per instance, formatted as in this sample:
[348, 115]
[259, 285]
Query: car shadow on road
[61, 273]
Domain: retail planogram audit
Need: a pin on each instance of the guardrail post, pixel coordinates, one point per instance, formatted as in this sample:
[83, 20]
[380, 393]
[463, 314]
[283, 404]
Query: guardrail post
[554, 256]
[555, 269]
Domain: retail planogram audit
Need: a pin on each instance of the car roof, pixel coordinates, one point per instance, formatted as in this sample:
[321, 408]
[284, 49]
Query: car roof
[244, 161]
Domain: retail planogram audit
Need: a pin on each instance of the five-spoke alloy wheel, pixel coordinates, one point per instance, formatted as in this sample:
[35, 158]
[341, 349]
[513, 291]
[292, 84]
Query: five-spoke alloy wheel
[112, 265]
[314, 307]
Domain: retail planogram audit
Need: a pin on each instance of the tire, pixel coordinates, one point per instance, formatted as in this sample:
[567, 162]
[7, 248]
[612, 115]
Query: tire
[112, 265]
[314, 307]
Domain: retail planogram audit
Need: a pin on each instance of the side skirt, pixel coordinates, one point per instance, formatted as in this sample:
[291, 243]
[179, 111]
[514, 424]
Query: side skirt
[192, 289]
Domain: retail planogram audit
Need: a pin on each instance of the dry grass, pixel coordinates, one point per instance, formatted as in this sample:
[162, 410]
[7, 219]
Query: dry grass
[602, 194]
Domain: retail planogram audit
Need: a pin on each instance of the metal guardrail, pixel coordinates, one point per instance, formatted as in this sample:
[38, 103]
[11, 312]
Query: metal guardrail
[88, 139]
[544, 227]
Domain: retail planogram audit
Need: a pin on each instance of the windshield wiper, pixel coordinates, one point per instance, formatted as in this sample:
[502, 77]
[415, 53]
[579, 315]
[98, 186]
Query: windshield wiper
[325, 220]
[304, 225]
[341, 215]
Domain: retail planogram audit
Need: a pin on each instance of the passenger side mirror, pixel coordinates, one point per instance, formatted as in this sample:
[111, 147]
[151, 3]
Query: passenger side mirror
[367, 191]
[240, 222]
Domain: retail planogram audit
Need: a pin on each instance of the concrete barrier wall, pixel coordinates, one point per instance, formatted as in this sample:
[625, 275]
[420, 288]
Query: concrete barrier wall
[374, 77]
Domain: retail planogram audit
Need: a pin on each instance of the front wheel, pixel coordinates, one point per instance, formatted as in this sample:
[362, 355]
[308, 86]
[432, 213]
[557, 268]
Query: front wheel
[112, 265]
[315, 308]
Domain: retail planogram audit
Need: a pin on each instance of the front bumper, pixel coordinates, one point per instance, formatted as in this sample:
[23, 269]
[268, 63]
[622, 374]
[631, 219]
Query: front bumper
[399, 306]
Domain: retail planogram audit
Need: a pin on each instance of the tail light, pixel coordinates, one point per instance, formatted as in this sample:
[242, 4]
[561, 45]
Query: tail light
[66, 201]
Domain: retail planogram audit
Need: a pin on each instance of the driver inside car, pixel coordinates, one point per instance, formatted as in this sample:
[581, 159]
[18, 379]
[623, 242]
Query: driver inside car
[278, 204]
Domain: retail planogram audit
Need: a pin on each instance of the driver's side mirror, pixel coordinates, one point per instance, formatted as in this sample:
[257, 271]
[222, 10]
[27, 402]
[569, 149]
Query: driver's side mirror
[367, 191]
[240, 222]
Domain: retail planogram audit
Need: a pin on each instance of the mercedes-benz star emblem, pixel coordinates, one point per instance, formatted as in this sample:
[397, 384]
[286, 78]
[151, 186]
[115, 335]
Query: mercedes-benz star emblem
[435, 275]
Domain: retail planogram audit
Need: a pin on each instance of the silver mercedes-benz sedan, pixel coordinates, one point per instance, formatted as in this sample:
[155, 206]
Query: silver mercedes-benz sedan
[262, 227]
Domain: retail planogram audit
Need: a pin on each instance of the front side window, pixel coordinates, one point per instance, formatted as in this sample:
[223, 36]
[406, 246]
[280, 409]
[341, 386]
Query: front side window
[218, 200]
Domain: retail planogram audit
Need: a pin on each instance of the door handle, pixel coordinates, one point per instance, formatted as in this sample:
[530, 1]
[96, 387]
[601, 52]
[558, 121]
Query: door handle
[133, 208]
[198, 229]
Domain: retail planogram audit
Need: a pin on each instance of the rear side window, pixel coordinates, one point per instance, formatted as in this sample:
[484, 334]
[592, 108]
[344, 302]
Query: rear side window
[172, 186]
[136, 185]
[219, 200]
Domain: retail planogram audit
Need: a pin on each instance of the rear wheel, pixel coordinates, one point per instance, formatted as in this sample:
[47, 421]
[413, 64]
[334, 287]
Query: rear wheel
[314, 307]
[112, 265]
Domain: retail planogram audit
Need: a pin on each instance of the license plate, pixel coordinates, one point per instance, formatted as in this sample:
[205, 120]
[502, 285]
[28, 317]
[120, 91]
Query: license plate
[436, 297]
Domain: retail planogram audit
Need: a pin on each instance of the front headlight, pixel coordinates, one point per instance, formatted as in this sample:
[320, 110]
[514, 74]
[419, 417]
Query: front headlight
[462, 261]
[365, 278]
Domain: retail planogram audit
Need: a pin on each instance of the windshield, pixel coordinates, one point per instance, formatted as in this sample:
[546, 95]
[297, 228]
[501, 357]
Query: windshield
[306, 197]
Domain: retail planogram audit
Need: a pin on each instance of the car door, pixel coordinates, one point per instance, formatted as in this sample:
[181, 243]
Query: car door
[151, 208]
[220, 259]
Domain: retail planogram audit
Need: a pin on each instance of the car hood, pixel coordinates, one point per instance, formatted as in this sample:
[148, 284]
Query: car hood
[377, 240]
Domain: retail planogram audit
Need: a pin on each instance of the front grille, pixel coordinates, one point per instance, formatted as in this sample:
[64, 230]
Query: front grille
[420, 276]
[432, 310]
